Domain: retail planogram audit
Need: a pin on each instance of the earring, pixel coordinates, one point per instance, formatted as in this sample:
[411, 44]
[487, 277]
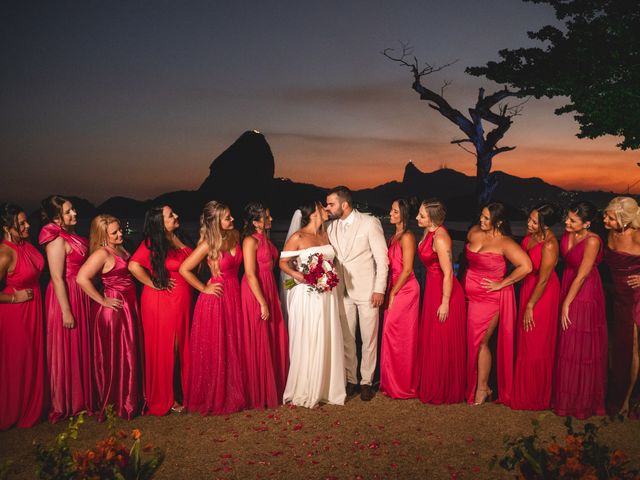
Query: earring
[587, 226]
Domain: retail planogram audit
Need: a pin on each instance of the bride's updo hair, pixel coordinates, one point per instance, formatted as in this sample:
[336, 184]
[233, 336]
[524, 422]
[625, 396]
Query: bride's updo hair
[307, 209]
[626, 211]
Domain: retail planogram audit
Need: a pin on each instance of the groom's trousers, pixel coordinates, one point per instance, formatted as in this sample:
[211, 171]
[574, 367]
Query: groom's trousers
[367, 315]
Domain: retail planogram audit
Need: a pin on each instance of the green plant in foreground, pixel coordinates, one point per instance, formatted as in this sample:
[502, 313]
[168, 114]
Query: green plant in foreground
[110, 458]
[582, 456]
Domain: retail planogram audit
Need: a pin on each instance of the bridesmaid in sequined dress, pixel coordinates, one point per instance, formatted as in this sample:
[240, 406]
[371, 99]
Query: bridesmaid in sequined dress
[115, 319]
[22, 367]
[216, 377]
[68, 312]
[622, 254]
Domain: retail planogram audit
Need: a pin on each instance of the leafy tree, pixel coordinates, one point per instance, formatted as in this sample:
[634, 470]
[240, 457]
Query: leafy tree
[593, 58]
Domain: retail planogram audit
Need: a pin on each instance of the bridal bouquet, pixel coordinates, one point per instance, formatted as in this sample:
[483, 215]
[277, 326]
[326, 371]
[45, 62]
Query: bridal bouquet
[319, 274]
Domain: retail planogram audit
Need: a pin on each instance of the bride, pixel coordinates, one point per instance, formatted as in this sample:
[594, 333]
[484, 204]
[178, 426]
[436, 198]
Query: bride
[316, 372]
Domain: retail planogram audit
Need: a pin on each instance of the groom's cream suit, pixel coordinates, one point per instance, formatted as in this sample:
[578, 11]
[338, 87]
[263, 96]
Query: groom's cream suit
[362, 264]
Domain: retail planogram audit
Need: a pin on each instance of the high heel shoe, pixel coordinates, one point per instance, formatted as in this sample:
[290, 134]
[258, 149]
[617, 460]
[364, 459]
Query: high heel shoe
[486, 398]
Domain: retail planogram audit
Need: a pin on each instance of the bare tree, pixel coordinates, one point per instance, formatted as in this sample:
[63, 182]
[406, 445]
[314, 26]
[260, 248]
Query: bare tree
[485, 143]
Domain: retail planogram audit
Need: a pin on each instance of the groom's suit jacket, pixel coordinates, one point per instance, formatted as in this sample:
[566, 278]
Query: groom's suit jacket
[362, 256]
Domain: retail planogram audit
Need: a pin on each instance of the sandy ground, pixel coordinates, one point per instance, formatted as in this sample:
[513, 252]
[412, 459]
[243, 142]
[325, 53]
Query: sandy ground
[380, 439]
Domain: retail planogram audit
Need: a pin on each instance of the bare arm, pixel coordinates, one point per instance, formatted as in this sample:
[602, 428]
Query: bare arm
[408, 246]
[442, 246]
[56, 258]
[518, 258]
[286, 263]
[98, 261]
[547, 264]
[7, 263]
[250, 256]
[588, 261]
[191, 263]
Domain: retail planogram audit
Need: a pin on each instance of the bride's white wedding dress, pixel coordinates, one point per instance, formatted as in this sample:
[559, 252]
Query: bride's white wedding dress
[316, 353]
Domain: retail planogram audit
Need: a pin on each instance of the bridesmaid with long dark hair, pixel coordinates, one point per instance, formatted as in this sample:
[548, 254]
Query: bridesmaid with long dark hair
[399, 350]
[537, 325]
[443, 321]
[22, 395]
[491, 300]
[165, 308]
[266, 343]
[581, 361]
[68, 311]
[216, 378]
[622, 254]
[115, 319]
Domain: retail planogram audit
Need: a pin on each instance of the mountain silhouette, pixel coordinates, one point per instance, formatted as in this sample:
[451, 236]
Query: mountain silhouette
[245, 172]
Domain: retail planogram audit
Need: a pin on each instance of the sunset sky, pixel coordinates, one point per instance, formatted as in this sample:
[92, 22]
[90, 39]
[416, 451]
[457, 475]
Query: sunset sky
[137, 98]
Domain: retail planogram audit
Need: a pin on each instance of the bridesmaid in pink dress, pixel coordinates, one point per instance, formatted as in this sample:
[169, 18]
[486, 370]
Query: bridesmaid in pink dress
[216, 377]
[538, 314]
[399, 351]
[491, 300]
[22, 395]
[442, 350]
[266, 343]
[581, 362]
[165, 308]
[68, 313]
[622, 254]
[115, 319]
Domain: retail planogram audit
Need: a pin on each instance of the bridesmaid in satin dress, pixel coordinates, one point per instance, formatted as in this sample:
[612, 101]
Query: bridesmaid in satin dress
[622, 254]
[399, 351]
[68, 312]
[537, 325]
[165, 308]
[266, 343]
[442, 350]
[115, 319]
[216, 377]
[491, 301]
[22, 367]
[581, 361]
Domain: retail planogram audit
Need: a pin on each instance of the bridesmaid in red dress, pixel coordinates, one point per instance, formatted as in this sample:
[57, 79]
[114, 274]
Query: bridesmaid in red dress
[442, 350]
[399, 351]
[68, 312]
[216, 382]
[581, 361]
[165, 308]
[22, 395]
[538, 314]
[622, 254]
[266, 343]
[115, 319]
[491, 300]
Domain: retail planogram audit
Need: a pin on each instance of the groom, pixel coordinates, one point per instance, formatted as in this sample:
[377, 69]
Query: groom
[362, 264]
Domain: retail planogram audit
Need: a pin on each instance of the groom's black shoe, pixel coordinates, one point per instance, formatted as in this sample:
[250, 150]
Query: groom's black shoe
[366, 393]
[351, 389]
